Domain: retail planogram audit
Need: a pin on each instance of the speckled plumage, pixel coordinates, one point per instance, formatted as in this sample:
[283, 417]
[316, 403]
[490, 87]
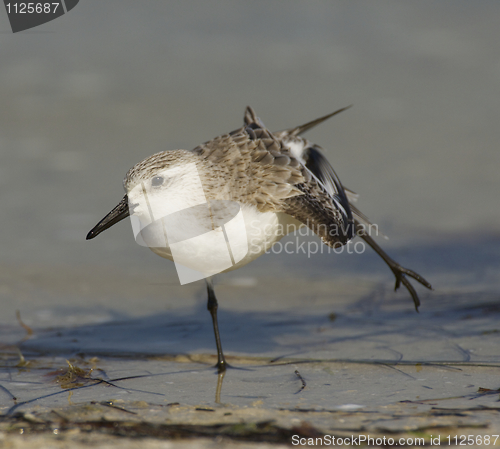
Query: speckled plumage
[256, 167]
[276, 178]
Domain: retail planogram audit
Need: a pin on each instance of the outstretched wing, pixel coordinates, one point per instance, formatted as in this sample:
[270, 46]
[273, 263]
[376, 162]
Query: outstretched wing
[264, 172]
[323, 204]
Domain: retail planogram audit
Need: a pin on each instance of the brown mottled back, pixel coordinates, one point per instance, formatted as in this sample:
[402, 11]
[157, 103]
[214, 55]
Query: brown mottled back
[254, 166]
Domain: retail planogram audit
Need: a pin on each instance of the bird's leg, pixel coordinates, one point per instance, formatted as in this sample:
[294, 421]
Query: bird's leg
[212, 306]
[399, 272]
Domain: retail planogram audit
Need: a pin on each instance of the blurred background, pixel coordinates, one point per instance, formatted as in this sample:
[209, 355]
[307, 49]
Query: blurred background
[88, 95]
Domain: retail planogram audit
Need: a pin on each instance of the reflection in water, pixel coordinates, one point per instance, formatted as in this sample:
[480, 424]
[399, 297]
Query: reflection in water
[218, 390]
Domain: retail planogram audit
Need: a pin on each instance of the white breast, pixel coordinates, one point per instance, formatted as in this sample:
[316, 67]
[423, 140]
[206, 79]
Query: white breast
[262, 231]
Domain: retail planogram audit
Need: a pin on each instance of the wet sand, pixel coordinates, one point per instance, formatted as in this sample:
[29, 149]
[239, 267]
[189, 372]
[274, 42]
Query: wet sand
[320, 343]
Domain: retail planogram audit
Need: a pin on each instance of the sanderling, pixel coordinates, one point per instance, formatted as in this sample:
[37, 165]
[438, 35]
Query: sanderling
[280, 181]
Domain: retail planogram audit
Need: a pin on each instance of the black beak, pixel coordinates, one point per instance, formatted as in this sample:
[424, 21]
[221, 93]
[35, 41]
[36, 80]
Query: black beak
[117, 214]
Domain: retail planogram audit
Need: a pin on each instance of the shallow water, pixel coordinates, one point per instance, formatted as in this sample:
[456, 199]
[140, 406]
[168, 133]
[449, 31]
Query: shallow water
[87, 96]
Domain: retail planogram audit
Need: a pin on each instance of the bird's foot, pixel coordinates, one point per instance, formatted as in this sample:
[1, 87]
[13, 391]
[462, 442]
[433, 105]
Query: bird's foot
[400, 273]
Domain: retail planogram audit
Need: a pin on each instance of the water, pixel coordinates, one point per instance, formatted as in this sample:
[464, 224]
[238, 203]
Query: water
[87, 96]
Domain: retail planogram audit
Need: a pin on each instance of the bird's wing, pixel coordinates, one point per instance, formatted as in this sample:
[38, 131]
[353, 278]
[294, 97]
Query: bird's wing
[265, 173]
[323, 204]
[319, 165]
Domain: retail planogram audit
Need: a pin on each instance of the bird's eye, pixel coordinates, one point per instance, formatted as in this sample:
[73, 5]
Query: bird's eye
[157, 181]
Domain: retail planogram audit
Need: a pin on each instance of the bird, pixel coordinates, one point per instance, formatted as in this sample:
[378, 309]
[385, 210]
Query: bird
[268, 183]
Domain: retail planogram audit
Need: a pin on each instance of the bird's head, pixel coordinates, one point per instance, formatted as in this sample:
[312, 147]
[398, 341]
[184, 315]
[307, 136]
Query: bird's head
[159, 185]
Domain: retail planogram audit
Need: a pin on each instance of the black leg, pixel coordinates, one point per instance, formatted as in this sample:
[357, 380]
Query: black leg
[212, 308]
